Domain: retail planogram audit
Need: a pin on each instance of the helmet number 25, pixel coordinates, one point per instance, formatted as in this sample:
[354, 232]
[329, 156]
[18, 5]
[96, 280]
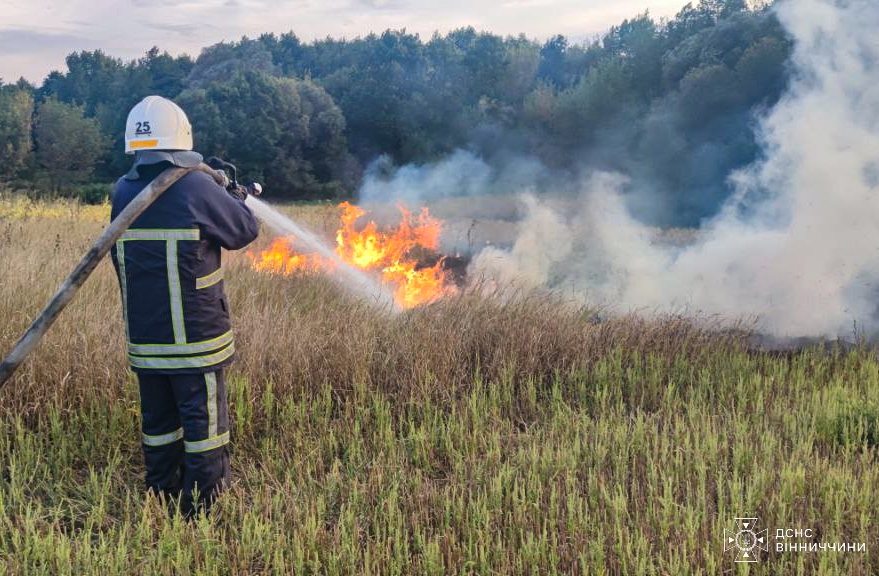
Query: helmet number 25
[143, 128]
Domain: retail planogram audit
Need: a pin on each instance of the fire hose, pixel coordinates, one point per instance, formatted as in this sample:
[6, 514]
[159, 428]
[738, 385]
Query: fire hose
[101, 247]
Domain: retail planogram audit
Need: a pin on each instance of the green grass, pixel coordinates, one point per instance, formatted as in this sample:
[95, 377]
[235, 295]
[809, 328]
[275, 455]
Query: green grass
[471, 437]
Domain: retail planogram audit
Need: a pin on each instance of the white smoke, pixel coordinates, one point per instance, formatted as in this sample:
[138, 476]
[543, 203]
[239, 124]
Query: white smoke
[804, 255]
[544, 243]
[460, 174]
[797, 246]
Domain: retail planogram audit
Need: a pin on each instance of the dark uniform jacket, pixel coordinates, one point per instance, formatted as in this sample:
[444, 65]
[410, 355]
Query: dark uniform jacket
[168, 264]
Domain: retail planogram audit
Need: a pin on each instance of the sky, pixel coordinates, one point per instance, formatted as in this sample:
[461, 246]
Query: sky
[36, 35]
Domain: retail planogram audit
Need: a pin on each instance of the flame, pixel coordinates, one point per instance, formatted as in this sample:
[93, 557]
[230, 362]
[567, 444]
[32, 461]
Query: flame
[281, 258]
[393, 254]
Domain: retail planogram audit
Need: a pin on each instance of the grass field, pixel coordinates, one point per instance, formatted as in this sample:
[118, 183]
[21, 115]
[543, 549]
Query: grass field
[466, 437]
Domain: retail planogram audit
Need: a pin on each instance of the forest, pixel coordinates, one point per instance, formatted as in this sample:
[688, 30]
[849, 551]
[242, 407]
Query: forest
[670, 103]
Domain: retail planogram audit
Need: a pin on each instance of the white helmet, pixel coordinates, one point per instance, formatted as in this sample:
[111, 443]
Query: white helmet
[156, 123]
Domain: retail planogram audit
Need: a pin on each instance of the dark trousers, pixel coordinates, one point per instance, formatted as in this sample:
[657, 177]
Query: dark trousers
[185, 436]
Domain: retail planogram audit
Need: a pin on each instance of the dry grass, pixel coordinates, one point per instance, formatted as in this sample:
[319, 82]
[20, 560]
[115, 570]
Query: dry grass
[470, 436]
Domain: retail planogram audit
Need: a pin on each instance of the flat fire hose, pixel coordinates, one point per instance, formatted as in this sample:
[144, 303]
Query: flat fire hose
[89, 262]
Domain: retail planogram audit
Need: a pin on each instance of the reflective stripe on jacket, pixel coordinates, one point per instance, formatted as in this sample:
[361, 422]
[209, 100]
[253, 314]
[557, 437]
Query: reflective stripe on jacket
[170, 275]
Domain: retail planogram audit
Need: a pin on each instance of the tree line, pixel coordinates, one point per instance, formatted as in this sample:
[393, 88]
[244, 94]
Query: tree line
[671, 103]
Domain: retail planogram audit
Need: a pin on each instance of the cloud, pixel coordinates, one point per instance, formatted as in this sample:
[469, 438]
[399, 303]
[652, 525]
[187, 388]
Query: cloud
[380, 4]
[182, 29]
[529, 3]
[13, 40]
[21, 48]
[128, 29]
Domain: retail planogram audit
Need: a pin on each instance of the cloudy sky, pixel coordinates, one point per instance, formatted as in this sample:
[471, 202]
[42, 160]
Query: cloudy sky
[36, 35]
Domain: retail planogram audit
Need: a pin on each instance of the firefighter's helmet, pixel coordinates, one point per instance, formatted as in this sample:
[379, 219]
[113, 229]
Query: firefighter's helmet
[156, 123]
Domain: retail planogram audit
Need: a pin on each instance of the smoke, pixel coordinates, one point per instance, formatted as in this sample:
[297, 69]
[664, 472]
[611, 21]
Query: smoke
[461, 174]
[798, 243]
[544, 243]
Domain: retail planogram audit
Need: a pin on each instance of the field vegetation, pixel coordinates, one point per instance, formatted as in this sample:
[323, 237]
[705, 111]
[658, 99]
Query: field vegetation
[471, 436]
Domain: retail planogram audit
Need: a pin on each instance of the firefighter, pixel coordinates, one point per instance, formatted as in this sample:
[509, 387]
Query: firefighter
[175, 310]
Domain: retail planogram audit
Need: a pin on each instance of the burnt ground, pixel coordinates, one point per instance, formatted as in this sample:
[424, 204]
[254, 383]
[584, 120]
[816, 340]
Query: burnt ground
[454, 266]
[787, 347]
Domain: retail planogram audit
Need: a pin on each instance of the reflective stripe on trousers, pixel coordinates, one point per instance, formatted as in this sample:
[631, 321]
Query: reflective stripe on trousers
[191, 408]
[215, 437]
[162, 439]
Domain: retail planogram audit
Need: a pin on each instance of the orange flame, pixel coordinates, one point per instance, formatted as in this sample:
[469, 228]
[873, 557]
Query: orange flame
[281, 258]
[392, 253]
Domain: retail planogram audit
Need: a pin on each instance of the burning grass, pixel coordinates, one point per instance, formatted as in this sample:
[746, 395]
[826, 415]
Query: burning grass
[466, 436]
[396, 255]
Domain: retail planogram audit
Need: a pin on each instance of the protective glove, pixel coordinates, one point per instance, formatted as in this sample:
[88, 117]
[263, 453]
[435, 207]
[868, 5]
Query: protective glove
[239, 192]
[220, 178]
[242, 192]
